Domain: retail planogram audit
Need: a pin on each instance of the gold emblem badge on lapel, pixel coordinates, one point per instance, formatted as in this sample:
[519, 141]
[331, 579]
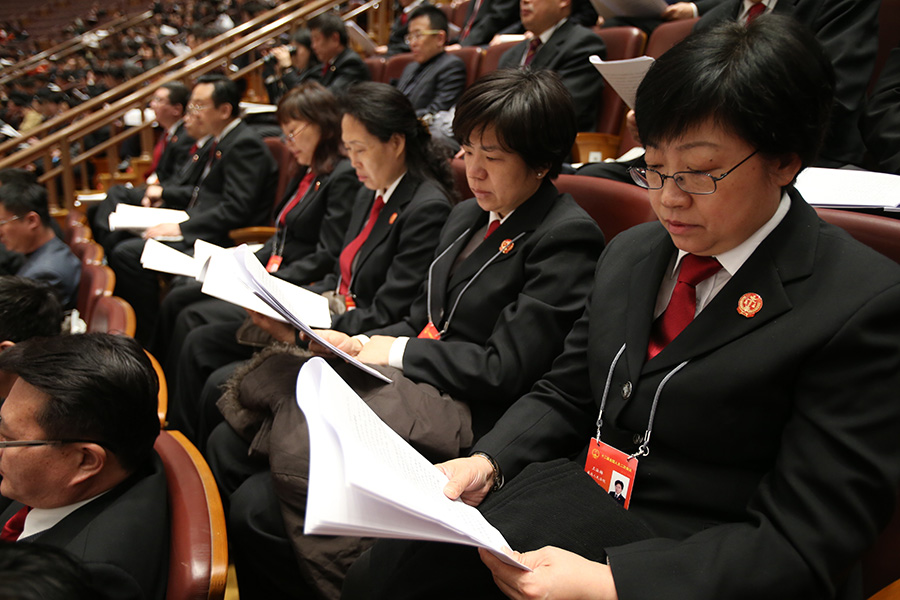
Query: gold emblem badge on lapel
[506, 246]
[318, 183]
[392, 219]
[749, 304]
[218, 154]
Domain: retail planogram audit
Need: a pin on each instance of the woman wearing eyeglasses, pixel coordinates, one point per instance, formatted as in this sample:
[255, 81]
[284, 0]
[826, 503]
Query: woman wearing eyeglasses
[735, 372]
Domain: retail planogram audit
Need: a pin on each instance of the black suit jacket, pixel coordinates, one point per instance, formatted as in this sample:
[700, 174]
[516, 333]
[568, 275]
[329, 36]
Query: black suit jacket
[238, 190]
[391, 264]
[774, 449]
[175, 154]
[178, 190]
[492, 17]
[435, 85]
[122, 537]
[881, 126]
[510, 323]
[848, 32]
[397, 38]
[346, 69]
[568, 52]
[314, 230]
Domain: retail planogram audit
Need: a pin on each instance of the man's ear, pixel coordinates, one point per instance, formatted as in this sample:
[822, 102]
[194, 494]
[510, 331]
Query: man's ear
[6, 344]
[93, 459]
[32, 220]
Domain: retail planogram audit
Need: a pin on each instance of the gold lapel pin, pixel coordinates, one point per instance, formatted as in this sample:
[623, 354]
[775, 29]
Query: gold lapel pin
[506, 246]
[392, 219]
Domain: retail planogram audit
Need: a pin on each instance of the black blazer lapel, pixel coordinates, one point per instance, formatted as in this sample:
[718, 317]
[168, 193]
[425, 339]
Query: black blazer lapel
[399, 199]
[526, 219]
[440, 274]
[785, 255]
[547, 54]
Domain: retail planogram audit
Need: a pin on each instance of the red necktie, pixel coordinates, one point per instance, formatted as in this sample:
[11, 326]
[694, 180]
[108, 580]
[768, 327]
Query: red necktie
[14, 527]
[349, 252]
[471, 21]
[683, 303]
[301, 191]
[492, 228]
[755, 10]
[533, 46]
[158, 149]
[404, 18]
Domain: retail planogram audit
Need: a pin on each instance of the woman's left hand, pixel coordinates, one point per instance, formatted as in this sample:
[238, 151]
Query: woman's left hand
[556, 573]
[377, 350]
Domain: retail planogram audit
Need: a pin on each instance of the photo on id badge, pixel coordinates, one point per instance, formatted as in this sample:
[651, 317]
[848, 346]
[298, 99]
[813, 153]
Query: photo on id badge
[618, 488]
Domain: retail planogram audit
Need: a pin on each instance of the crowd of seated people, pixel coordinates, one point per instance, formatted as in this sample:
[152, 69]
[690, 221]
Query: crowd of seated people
[759, 342]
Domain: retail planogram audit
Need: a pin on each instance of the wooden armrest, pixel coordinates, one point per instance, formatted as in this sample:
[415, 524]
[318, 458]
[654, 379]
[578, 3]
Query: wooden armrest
[587, 142]
[251, 235]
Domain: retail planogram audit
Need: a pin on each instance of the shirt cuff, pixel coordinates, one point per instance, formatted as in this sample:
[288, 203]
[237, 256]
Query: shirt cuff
[398, 349]
[695, 9]
[363, 339]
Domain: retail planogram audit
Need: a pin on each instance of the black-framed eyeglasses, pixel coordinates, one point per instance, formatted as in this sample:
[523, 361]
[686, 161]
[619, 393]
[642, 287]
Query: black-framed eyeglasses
[691, 182]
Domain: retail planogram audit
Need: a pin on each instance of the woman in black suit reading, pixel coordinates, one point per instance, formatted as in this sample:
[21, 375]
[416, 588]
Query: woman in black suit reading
[507, 279]
[737, 361]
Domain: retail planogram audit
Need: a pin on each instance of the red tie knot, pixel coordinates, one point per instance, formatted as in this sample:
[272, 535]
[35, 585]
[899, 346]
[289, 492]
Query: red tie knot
[695, 269]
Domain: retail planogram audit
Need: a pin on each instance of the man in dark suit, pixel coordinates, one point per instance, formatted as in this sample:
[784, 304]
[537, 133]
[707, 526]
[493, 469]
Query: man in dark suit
[485, 19]
[170, 155]
[881, 126]
[25, 228]
[341, 66]
[79, 470]
[436, 80]
[848, 31]
[399, 28]
[564, 47]
[235, 189]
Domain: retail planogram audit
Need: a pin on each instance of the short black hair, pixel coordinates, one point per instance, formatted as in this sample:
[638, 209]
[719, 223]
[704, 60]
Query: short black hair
[619, 483]
[314, 103]
[437, 19]
[531, 113]
[43, 572]
[302, 37]
[28, 308]
[768, 82]
[225, 91]
[101, 387]
[16, 175]
[22, 198]
[178, 93]
[328, 24]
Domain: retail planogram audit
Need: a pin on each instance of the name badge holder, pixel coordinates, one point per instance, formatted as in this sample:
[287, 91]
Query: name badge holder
[609, 466]
[277, 256]
[430, 331]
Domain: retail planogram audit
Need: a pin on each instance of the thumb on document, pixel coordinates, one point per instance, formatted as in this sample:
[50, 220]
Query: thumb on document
[470, 479]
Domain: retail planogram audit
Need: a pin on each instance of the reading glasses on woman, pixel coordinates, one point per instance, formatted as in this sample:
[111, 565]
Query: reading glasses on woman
[690, 182]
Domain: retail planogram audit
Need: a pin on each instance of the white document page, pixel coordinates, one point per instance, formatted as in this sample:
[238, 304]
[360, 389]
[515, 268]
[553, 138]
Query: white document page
[365, 480]
[276, 293]
[220, 282]
[849, 188]
[137, 219]
[160, 257]
[623, 75]
[629, 8]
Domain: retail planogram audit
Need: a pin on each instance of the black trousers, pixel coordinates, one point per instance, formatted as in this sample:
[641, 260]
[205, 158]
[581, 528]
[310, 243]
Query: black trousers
[547, 504]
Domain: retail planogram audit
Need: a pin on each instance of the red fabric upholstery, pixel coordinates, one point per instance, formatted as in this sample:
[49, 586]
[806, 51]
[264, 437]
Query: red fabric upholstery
[112, 314]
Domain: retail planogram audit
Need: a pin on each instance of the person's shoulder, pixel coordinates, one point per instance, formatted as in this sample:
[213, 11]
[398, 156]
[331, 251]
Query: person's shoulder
[446, 59]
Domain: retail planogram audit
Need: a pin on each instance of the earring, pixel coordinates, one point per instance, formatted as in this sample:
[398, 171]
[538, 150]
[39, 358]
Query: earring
[540, 174]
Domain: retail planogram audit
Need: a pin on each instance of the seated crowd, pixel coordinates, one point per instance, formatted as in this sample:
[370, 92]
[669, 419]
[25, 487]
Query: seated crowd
[521, 346]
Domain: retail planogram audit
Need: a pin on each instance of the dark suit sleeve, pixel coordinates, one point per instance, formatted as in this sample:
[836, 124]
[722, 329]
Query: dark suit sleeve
[449, 86]
[579, 75]
[704, 6]
[881, 127]
[493, 16]
[831, 491]
[341, 190]
[512, 58]
[115, 582]
[421, 228]
[244, 197]
[557, 278]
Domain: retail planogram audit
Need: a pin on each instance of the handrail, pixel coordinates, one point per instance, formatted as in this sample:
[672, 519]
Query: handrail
[71, 45]
[148, 76]
[78, 129]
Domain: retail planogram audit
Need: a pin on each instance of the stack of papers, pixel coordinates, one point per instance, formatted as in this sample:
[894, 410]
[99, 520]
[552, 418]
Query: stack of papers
[624, 76]
[849, 188]
[367, 481]
[137, 219]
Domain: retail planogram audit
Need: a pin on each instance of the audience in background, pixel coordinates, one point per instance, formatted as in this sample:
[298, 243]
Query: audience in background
[341, 66]
[25, 228]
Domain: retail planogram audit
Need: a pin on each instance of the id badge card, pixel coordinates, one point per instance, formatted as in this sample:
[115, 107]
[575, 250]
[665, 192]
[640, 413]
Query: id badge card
[274, 263]
[430, 332]
[612, 469]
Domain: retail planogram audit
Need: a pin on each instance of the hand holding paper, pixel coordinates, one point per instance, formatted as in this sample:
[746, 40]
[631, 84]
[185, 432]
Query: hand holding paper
[394, 493]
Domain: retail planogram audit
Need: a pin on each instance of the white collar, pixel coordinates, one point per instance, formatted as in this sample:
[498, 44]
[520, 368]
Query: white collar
[228, 129]
[42, 519]
[389, 191]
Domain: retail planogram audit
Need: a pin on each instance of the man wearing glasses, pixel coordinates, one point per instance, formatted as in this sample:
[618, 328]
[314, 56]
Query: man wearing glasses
[436, 80]
[77, 462]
